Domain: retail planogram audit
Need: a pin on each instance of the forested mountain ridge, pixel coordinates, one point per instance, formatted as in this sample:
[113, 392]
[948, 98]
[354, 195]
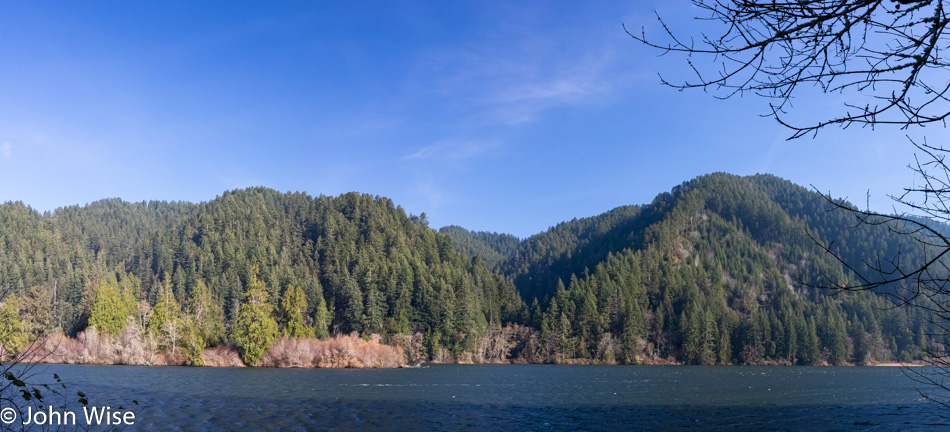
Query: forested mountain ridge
[65, 251]
[492, 247]
[774, 213]
[362, 264]
[706, 273]
[709, 273]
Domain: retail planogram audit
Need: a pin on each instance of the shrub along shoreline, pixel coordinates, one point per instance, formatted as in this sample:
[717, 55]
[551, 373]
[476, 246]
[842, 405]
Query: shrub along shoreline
[341, 351]
[91, 348]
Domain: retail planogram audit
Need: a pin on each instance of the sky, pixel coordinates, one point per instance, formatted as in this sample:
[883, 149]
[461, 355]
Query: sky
[493, 116]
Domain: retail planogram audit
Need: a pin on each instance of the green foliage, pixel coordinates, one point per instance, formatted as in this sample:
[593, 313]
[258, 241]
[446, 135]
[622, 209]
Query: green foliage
[110, 310]
[12, 336]
[362, 263]
[193, 343]
[707, 273]
[715, 264]
[492, 248]
[293, 306]
[166, 322]
[321, 319]
[202, 324]
[255, 330]
[204, 319]
[36, 308]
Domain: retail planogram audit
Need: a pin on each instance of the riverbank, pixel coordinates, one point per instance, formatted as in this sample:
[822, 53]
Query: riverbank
[90, 348]
[898, 364]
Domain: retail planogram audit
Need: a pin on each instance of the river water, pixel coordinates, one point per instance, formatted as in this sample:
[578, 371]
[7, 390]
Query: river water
[511, 397]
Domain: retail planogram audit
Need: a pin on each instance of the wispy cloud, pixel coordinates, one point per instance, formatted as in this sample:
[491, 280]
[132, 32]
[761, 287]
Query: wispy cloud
[515, 73]
[5, 149]
[523, 100]
[561, 89]
[454, 150]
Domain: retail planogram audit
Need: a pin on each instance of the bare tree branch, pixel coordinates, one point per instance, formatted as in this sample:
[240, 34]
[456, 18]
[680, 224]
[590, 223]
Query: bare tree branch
[921, 283]
[885, 51]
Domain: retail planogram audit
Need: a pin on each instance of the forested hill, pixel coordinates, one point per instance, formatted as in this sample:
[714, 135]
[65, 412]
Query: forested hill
[763, 212]
[358, 258]
[492, 247]
[704, 274]
[707, 273]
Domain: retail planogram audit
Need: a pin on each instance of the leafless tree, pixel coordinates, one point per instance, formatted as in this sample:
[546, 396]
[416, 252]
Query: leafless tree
[918, 274]
[885, 56]
[26, 386]
[885, 59]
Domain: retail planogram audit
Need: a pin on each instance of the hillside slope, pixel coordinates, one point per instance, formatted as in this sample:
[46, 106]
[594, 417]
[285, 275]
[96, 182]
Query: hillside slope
[714, 271]
[492, 247]
[360, 258]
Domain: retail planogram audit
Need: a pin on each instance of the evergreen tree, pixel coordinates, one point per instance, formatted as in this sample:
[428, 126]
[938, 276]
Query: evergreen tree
[809, 344]
[193, 342]
[166, 323]
[321, 319]
[373, 311]
[108, 311]
[293, 306]
[352, 300]
[206, 315]
[36, 308]
[859, 340]
[710, 269]
[255, 330]
[12, 336]
[792, 344]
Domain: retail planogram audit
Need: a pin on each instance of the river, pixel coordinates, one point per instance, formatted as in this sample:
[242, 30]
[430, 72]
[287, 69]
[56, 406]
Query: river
[510, 397]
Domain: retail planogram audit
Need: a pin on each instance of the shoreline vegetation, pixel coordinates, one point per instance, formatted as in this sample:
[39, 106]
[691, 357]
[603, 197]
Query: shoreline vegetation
[717, 271]
[338, 352]
[91, 348]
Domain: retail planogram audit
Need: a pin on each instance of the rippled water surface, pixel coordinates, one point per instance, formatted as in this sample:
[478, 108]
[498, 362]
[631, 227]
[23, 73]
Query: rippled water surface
[512, 397]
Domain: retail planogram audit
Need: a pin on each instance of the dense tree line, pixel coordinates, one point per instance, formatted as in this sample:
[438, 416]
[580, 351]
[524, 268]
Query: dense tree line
[353, 263]
[717, 271]
[492, 247]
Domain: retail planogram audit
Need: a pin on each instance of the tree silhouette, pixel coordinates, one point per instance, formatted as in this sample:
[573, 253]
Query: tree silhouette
[885, 57]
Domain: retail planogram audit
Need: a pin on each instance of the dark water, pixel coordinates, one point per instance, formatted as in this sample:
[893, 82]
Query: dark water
[513, 397]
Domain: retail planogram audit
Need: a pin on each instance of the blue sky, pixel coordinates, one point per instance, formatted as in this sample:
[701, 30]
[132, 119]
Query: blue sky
[499, 117]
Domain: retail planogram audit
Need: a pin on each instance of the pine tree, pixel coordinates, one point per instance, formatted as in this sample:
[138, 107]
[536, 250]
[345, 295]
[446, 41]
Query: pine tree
[860, 340]
[810, 353]
[109, 313]
[691, 333]
[255, 330]
[36, 308]
[202, 324]
[373, 311]
[293, 305]
[353, 305]
[192, 342]
[12, 336]
[724, 345]
[321, 319]
[206, 314]
[837, 342]
[792, 344]
[166, 321]
[633, 330]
